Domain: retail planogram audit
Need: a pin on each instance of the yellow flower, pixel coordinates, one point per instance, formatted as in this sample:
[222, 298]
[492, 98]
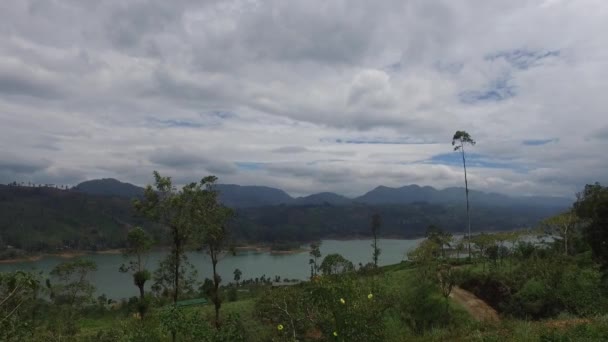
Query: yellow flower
[342, 301]
[280, 327]
[370, 296]
[335, 333]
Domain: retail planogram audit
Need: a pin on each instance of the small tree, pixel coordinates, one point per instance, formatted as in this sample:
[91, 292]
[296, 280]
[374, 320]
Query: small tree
[18, 294]
[71, 289]
[447, 281]
[138, 246]
[562, 225]
[425, 256]
[376, 223]
[237, 276]
[72, 285]
[460, 139]
[165, 205]
[336, 264]
[482, 242]
[592, 207]
[211, 218]
[315, 253]
[440, 237]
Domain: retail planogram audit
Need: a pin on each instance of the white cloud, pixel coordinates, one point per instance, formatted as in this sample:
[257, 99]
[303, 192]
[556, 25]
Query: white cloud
[115, 89]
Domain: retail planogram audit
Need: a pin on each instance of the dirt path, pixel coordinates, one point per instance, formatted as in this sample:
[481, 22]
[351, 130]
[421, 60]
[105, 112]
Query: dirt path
[476, 307]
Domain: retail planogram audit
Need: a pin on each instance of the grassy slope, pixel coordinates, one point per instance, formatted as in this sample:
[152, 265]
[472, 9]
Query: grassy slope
[402, 275]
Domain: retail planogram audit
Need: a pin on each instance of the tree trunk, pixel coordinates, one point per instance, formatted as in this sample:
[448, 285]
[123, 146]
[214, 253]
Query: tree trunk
[176, 272]
[177, 247]
[141, 291]
[466, 188]
[216, 285]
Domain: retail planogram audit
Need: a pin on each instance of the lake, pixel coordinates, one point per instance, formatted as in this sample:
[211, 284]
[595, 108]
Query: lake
[109, 281]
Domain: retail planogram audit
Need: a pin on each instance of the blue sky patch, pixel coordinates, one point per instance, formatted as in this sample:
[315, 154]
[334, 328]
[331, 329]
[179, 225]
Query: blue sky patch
[176, 123]
[498, 90]
[250, 166]
[538, 142]
[379, 141]
[522, 58]
[451, 68]
[473, 160]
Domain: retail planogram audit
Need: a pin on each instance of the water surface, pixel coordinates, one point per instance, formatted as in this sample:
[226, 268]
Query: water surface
[109, 281]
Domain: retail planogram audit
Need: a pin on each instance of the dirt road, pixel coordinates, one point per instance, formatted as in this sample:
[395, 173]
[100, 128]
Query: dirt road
[476, 307]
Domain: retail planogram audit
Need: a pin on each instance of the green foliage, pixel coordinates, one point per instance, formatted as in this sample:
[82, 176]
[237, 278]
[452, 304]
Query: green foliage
[18, 292]
[336, 264]
[592, 207]
[420, 308]
[339, 308]
[71, 285]
[376, 223]
[315, 253]
[164, 277]
[190, 327]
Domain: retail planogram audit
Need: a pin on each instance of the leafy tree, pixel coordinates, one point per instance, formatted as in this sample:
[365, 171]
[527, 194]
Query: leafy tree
[138, 246]
[562, 225]
[440, 237]
[376, 223]
[447, 281]
[210, 218]
[237, 276]
[460, 139]
[592, 207]
[315, 253]
[71, 290]
[482, 242]
[72, 285]
[459, 247]
[173, 209]
[425, 256]
[164, 277]
[336, 264]
[18, 294]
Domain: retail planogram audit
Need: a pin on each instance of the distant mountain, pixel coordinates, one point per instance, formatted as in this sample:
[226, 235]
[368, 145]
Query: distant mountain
[323, 198]
[109, 187]
[414, 193]
[239, 196]
[247, 196]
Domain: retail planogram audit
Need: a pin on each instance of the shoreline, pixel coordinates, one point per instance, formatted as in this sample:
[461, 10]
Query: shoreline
[62, 255]
[259, 248]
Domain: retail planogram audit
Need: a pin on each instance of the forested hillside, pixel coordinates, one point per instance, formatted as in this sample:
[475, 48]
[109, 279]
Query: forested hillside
[48, 219]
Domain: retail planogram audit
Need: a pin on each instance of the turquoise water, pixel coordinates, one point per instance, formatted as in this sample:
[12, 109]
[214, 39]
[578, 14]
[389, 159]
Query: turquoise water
[109, 281]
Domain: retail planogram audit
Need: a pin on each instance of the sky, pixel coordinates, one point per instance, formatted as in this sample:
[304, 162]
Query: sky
[307, 96]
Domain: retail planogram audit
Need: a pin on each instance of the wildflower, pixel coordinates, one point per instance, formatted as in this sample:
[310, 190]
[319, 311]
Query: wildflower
[370, 296]
[280, 327]
[335, 333]
[342, 301]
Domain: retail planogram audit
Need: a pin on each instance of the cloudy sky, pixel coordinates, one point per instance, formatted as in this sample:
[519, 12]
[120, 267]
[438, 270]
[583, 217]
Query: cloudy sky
[306, 95]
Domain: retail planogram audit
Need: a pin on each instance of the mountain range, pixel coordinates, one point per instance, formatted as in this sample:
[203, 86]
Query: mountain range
[97, 214]
[247, 196]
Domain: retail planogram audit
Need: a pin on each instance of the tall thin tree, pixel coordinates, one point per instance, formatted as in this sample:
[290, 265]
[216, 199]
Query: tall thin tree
[376, 223]
[210, 218]
[460, 139]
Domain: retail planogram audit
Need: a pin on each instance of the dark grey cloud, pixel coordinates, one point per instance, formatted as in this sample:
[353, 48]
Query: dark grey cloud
[290, 149]
[17, 165]
[13, 84]
[177, 158]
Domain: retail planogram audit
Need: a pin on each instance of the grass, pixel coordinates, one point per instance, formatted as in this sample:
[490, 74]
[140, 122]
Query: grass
[395, 277]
